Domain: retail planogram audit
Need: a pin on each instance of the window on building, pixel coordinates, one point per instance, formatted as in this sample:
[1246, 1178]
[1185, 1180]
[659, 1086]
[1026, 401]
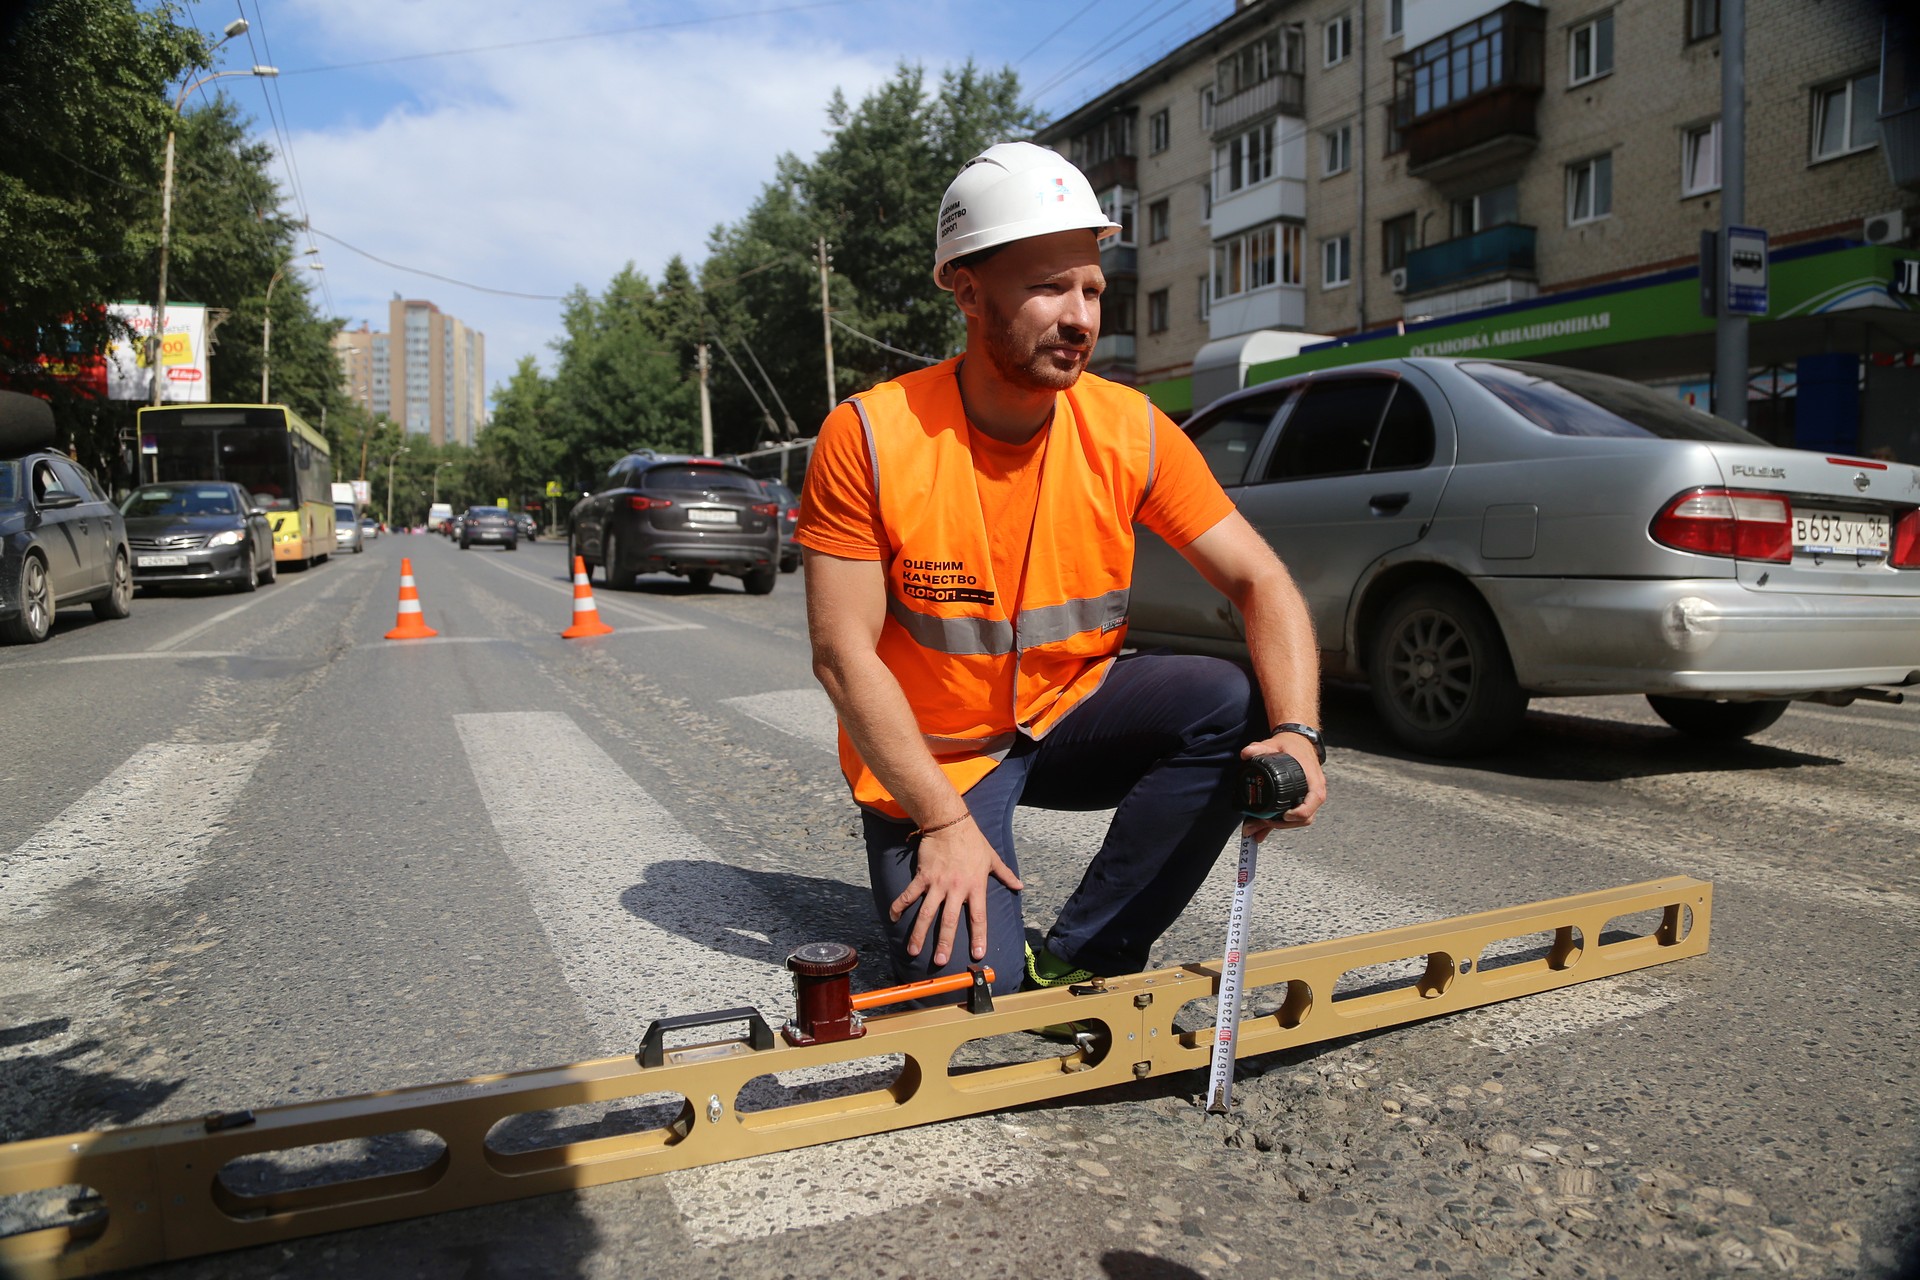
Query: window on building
[1206, 203]
[1844, 116]
[1589, 190]
[1493, 207]
[1159, 131]
[1117, 312]
[1336, 149]
[1336, 261]
[1244, 159]
[1206, 109]
[1206, 298]
[1121, 205]
[1159, 221]
[1255, 259]
[1700, 159]
[1337, 40]
[1397, 240]
[1468, 60]
[1396, 17]
[1159, 305]
[1703, 18]
[1257, 61]
[1111, 138]
[1590, 49]
[1396, 136]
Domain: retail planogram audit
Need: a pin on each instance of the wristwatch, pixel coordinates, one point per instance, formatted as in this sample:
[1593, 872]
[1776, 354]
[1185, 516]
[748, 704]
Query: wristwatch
[1306, 731]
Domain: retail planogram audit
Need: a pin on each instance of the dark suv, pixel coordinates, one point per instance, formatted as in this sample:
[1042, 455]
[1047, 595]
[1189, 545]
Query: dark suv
[669, 513]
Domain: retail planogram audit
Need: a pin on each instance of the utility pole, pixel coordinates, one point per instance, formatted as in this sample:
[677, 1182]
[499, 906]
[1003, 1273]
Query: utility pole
[1730, 331]
[706, 407]
[826, 328]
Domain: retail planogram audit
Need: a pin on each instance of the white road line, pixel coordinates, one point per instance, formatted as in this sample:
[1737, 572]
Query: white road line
[141, 831]
[804, 713]
[180, 655]
[1295, 901]
[281, 584]
[645, 921]
[650, 620]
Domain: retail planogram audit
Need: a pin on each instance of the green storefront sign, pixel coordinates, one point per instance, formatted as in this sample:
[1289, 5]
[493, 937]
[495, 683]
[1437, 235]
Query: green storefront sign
[1818, 283]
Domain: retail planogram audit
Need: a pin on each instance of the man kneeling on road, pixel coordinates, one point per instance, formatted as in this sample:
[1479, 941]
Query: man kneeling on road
[969, 533]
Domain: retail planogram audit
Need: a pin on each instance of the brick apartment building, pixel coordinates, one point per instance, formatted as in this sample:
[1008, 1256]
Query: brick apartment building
[1312, 182]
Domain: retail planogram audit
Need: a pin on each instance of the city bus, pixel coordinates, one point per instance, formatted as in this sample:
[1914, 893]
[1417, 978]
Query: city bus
[266, 449]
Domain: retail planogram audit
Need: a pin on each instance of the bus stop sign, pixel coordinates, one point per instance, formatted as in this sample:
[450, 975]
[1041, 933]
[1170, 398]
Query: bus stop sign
[1746, 271]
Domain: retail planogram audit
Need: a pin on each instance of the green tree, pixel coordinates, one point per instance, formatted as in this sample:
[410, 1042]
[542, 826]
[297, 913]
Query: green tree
[621, 384]
[519, 451]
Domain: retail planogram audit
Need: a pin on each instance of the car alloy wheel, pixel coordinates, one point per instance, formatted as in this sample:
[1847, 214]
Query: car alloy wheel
[249, 579]
[119, 601]
[35, 619]
[617, 580]
[1440, 673]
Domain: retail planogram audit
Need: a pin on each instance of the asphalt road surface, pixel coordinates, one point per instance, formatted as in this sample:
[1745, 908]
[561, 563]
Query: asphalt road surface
[252, 853]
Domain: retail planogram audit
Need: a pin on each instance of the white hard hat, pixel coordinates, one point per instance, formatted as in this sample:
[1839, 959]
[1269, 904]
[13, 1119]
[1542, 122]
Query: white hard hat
[1012, 191]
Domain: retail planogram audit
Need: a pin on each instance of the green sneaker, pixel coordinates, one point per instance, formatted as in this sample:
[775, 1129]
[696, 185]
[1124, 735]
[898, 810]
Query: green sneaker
[1055, 977]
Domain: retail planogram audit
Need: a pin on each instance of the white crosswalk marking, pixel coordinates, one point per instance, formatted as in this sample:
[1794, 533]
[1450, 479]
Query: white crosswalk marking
[645, 921]
[141, 831]
[805, 713]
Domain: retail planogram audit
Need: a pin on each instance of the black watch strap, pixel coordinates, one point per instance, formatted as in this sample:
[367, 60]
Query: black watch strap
[1306, 731]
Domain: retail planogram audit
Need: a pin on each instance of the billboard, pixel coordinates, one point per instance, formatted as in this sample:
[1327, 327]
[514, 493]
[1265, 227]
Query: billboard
[183, 354]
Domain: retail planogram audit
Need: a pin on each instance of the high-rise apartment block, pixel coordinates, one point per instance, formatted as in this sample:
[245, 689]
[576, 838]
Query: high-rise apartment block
[1316, 182]
[432, 382]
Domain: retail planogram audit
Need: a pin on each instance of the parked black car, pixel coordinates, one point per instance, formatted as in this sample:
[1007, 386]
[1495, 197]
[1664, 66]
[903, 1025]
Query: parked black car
[494, 525]
[61, 541]
[198, 531]
[670, 513]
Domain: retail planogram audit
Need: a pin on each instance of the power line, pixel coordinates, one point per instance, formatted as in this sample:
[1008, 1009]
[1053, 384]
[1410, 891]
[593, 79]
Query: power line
[1124, 36]
[585, 35]
[885, 346]
[1048, 38]
[434, 275]
[282, 131]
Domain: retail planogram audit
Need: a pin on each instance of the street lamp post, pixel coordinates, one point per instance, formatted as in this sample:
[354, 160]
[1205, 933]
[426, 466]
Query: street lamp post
[390, 457]
[157, 332]
[266, 328]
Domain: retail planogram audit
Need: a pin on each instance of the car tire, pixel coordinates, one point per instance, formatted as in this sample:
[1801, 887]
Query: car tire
[34, 622]
[358, 547]
[617, 579]
[1441, 677]
[463, 544]
[700, 579]
[249, 579]
[790, 564]
[118, 602]
[271, 573]
[1717, 721]
[760, 582]
[513, 546]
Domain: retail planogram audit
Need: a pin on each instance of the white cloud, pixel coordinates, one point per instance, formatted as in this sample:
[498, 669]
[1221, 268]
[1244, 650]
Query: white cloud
[551, 165]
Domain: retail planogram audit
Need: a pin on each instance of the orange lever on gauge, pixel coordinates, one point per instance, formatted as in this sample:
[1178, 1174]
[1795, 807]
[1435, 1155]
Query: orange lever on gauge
[918, 990]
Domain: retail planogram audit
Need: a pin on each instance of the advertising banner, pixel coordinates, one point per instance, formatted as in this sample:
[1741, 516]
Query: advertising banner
[183, 354]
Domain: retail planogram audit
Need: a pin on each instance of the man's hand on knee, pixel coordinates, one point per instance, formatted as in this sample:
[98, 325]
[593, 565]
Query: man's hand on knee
[950, 873]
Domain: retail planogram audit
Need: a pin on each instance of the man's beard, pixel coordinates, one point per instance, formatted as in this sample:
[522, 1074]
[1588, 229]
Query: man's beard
[1027, 367]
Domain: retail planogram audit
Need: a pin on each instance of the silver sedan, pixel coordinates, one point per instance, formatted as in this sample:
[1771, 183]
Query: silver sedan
[1470, 533]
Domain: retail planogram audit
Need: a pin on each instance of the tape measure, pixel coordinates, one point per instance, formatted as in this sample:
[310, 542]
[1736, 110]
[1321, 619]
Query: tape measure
[1269, 786]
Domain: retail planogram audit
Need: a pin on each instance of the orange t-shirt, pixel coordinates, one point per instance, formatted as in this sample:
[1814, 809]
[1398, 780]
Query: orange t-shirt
[838, 514]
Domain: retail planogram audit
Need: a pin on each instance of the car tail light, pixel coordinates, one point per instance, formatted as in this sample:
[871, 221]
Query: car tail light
[1906, 541]
[639, 503]
[1727, 522]
[765, 508]
[793, 513]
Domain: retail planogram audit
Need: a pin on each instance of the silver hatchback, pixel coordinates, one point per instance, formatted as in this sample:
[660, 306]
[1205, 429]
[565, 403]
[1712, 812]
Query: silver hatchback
[1470, 533]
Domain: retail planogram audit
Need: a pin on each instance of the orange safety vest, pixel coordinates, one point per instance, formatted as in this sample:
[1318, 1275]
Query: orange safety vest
[978, 668]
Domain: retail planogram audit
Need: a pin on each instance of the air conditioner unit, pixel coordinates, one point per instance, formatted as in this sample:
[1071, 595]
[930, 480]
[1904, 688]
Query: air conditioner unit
[1886, 228]
[1399, 278]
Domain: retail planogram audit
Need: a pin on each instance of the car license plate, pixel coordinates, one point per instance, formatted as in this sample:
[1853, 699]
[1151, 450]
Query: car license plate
[1839, 533]
[712, 515]
[159, 562]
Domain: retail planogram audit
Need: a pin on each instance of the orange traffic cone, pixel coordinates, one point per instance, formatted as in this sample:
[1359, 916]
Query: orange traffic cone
[409, 625]
[586, 618]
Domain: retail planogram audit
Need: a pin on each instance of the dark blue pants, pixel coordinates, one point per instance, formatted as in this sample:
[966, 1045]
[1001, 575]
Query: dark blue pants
[1160, 740]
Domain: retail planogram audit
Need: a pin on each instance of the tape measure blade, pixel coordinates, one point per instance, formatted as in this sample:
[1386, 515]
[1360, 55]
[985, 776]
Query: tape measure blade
[1226, 1033]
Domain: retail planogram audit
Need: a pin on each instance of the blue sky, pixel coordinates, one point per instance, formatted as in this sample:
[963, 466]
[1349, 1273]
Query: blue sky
[593, 132]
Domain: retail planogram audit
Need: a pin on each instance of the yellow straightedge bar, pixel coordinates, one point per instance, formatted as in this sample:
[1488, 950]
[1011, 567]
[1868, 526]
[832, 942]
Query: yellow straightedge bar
[134, 1196]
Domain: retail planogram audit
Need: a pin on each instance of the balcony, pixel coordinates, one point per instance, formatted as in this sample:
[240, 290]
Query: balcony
[1113, 352]
[1119, 261]
[1114, 171]
[1498, 251]
[1466, 101]
[1284, 92]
